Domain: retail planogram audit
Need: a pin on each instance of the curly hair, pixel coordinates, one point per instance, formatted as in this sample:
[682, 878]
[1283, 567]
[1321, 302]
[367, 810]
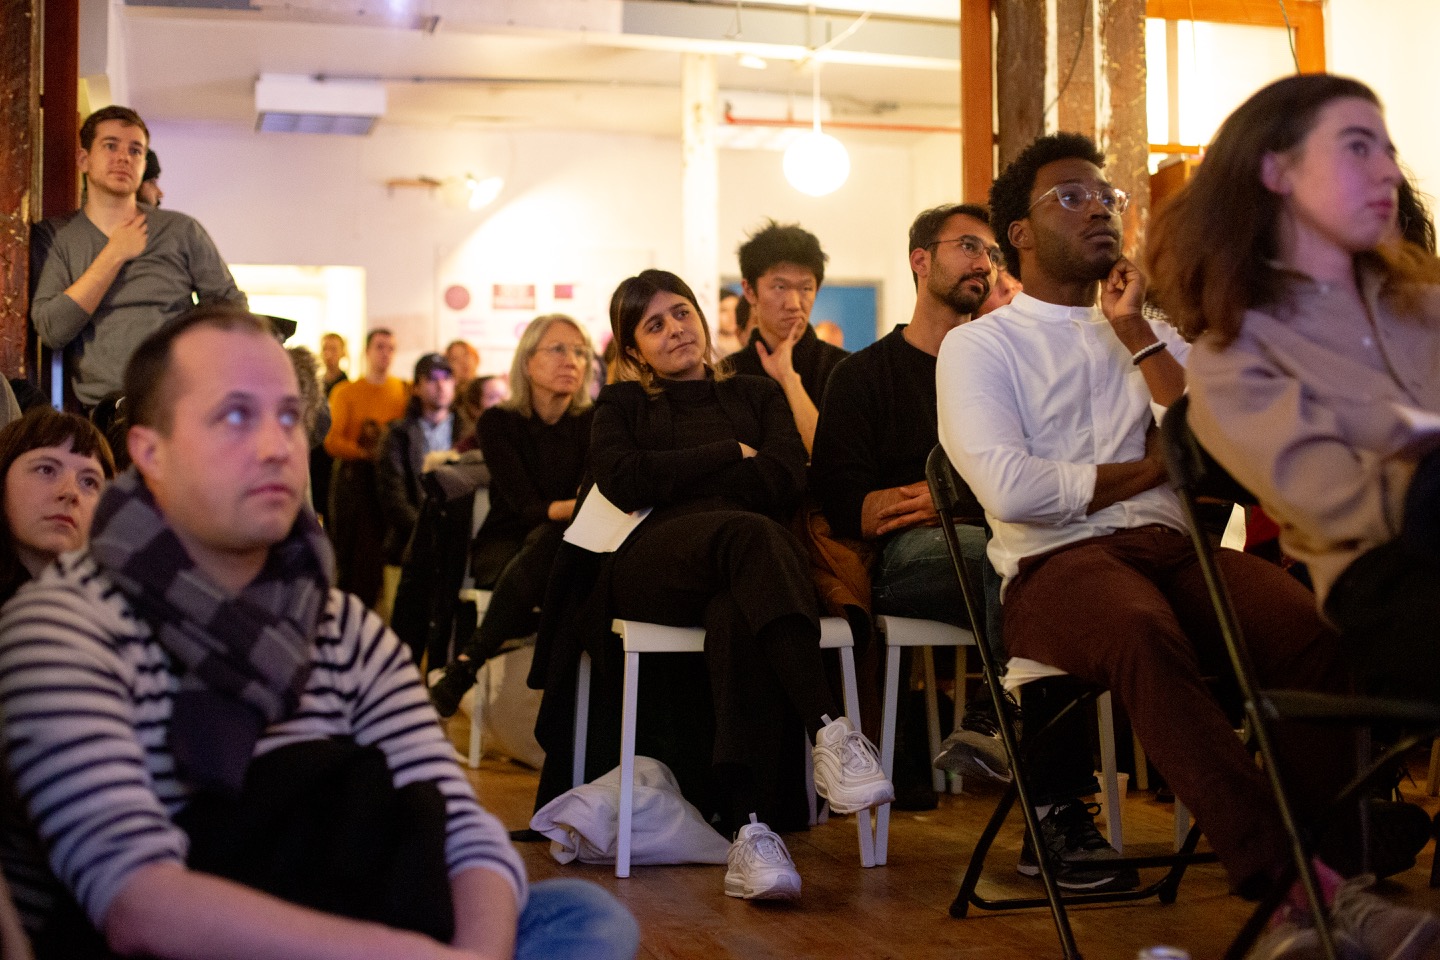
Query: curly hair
[1010, 193]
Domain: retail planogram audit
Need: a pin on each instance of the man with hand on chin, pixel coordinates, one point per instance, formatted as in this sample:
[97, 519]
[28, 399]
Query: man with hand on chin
[1047, 409]
[783, 267]
[110, 274]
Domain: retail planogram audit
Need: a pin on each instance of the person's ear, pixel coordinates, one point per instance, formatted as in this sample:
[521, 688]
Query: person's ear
[920, 261]
[1275, 173]
[1020, 235]
[144, 446]
[749, 291]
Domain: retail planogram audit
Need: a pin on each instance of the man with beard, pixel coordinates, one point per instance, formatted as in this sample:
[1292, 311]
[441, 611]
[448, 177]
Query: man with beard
[1045, 408]
[877, 426]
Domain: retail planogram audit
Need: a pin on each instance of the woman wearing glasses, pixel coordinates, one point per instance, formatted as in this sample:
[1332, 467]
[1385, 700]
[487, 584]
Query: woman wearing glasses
[535, 444]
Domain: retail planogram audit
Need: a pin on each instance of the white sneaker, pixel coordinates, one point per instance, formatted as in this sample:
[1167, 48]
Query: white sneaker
[847, 769]
[760, 866]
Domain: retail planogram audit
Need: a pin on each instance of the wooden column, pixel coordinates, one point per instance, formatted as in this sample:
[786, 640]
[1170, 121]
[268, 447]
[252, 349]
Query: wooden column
[19, 108]
[60, 192]
[1020, 74]
[977, 99]
[1125, 135]
[1075, 66]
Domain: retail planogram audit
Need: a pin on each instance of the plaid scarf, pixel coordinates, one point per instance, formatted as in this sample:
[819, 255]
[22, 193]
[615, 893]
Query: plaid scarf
[245, 658]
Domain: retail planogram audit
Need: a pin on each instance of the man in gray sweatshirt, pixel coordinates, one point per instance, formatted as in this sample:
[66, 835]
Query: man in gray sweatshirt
[116, 270]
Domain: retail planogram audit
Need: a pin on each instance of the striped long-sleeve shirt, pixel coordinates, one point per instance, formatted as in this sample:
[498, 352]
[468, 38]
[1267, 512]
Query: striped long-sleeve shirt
[86, 696]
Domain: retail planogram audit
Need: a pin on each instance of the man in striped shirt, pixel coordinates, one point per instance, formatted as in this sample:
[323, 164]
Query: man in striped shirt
[193, 717]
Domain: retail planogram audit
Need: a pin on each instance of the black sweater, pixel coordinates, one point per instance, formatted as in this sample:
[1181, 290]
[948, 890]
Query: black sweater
[812, 358]
[638, 460]
[877, 426]
[532, 463]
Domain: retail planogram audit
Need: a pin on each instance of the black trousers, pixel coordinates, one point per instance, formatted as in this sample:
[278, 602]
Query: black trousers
[357, 530]
[746, 580]
[1387, 603]
[518, 591]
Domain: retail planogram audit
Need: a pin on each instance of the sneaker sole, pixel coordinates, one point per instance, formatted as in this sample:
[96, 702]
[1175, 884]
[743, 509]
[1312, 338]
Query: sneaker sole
[962, 762]
[781, 888]
[1112, 882]
[878, 798]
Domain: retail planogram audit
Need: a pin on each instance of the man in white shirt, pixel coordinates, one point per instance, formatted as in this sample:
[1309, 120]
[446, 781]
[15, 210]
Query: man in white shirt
[1046, 409]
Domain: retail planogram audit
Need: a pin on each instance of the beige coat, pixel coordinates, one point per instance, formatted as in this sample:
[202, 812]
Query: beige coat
[1303, 409]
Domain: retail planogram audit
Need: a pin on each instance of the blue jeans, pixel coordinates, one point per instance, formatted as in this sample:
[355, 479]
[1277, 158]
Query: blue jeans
[914, 578]
[568, 918]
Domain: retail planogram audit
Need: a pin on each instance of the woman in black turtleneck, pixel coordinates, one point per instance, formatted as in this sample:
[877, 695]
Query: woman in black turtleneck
[721, 464]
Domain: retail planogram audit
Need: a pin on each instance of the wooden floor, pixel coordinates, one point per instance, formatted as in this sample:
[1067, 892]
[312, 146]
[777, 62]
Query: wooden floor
[900, 910]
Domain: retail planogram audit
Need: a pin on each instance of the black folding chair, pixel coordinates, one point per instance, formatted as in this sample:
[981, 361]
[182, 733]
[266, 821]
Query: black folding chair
[1194, 474]
[954, 502]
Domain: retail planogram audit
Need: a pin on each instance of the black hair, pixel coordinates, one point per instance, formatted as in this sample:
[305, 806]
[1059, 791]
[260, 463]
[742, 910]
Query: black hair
[124, 114]
[781, 243]
[927, 226]
[1010, 193]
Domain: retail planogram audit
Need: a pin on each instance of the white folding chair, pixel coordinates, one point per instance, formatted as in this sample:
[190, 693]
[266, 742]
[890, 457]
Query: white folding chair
[637, 637]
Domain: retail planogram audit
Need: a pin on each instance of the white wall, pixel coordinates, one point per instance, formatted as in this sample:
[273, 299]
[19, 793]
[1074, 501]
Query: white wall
[581, 209]
[1391, 45]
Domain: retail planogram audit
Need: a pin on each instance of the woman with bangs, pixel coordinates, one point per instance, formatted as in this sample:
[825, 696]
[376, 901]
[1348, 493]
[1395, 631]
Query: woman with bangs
[53, 468]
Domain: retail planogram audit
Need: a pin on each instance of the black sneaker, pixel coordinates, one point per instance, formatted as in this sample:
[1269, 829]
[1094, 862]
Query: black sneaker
[976, 748]
[447, 692]
[1078, 852]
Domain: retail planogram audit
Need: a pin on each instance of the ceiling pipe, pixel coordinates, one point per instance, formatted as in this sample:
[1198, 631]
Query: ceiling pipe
[732, 120]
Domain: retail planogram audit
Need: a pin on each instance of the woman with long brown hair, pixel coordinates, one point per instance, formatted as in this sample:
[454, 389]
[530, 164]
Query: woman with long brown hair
[1318, 356]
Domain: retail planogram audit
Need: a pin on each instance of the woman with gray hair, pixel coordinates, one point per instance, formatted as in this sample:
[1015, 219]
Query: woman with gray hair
[535, 444]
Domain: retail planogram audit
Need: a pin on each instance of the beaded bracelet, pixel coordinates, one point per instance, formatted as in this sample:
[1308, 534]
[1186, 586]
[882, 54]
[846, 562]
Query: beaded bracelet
[1149, 351]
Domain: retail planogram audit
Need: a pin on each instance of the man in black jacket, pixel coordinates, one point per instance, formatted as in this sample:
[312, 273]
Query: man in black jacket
[783, 267]
[427, 427]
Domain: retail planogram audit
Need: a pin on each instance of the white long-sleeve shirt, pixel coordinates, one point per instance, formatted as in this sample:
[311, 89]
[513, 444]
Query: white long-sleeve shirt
[1032, 398]
[86, 695]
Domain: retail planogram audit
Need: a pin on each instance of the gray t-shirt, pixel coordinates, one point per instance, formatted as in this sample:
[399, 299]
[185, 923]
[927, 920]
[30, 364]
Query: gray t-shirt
[180, 262]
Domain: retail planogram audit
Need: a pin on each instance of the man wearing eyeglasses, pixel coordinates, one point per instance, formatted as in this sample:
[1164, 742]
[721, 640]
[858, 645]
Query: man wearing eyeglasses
[1046, 408]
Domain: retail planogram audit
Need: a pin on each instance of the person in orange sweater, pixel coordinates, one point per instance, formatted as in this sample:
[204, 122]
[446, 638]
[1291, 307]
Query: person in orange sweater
[359, 410]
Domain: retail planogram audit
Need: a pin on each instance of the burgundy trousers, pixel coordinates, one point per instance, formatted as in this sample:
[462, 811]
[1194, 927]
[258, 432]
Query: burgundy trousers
[1129, 611]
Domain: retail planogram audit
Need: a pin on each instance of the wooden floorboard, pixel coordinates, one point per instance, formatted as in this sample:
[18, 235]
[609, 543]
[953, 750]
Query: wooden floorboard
[901, 910]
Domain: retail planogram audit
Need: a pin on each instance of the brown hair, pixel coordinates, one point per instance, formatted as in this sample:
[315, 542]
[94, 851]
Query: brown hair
[124, 114]
[149, 392]
[42, 426]
[627, 309]
[1212, 248]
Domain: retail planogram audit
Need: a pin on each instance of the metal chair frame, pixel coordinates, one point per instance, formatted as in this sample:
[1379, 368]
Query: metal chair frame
[1194, 473]
[954, 502]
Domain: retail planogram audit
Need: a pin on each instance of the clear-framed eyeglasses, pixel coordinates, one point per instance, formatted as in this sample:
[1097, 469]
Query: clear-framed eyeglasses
[972, 246]
[559, 351]
[1075, 196]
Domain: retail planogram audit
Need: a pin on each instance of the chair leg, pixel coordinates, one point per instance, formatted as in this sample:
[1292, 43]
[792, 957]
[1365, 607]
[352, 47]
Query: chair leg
[891, 697]
[852, 710]
[1109, 776]
[961, 700]
[932, 715]
[627, 763]
[477, 711]
[582, 721]
[1142, 765]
